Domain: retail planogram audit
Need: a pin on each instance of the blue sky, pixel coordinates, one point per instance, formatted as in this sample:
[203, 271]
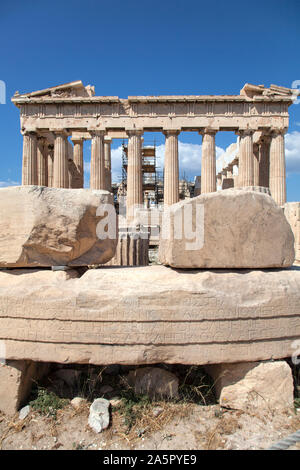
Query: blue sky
[134, 47]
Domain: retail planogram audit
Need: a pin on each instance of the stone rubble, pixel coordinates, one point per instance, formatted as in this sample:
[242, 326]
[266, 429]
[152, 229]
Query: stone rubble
[99, 415]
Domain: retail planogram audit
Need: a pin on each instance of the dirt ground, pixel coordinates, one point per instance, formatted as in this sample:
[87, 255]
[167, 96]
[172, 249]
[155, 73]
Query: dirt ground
[194, 422]
[190, 427]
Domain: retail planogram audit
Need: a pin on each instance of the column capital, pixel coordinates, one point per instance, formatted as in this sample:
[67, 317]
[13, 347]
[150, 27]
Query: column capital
[136, 132]
[56, 131]
[278, 130]
[243, 132]
[96, 132]
[28, 132]
[208, 130]
[107, 140]
[167, 132]
[77, 140]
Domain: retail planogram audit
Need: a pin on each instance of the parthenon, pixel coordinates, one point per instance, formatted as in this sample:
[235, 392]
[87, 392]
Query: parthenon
[258, 115]
[79, 282]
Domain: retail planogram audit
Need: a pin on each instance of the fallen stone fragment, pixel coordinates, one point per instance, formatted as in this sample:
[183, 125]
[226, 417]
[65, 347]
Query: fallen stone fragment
[99, 415]
[252, 386]
[24, 412]
[157, 411]
[42, 226]
[77, 402]
[154, 382]
[234, 228]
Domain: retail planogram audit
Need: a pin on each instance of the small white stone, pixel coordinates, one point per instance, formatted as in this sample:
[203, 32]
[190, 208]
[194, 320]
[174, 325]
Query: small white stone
[24, 412]
[99, 415]
[77, 402]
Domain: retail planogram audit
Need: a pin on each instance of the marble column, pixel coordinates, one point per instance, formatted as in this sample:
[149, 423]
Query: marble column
[97, 180]
[60, 165]
[78, 162]
[171, 170]
[208, 162]
[107, 162]
[246, 164]
[50, 165]
[256, 164]
[277, 167]
[134, 173]
[29, 169]
[264, 161]
[42, 162]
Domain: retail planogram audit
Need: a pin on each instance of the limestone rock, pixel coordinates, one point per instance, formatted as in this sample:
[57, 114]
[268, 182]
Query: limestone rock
[154, 382]
[233, 228]
[41, 226]
[77, 402]
[99, 415]
[250, 386]
[150, 315]
[16, 378]
[24, 412]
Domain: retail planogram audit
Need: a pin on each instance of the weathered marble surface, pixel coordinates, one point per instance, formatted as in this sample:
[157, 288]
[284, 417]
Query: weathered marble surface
[234, 228]
[149, 315]
[42, 226]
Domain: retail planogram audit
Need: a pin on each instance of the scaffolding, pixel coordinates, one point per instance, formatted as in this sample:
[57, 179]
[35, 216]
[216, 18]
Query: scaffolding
[152, 178]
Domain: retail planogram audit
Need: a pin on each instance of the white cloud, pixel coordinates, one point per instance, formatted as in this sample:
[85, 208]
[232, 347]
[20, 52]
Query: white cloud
[190, 157]
[292, 152]
[5, 184]
[189, 160]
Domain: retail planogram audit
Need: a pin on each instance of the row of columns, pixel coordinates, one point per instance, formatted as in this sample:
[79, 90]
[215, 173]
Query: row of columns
[261, 163]
[47, 165]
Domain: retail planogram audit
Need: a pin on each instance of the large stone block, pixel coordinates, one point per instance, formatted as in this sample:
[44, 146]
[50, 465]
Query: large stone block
[233, 228]
[250, 386]
[16, 379]
[42, 226]
[150, 315]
